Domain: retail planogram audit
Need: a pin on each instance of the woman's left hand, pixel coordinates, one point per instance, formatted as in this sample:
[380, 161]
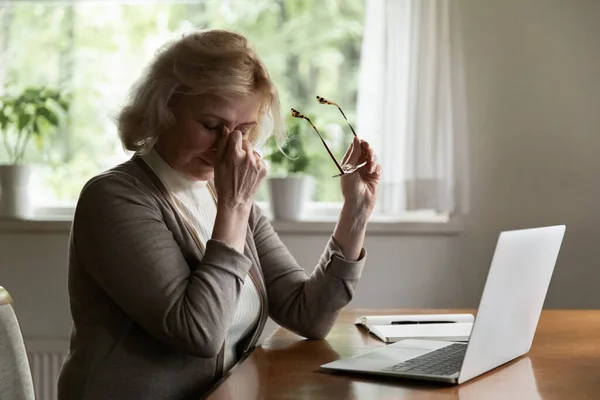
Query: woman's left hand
[360, 187]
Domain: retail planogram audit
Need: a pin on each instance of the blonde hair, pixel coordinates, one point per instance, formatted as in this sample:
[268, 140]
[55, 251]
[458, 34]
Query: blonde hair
[218, 62]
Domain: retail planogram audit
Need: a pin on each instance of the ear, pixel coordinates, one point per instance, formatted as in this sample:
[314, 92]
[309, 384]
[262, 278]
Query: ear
[175, 108]
[171, 103]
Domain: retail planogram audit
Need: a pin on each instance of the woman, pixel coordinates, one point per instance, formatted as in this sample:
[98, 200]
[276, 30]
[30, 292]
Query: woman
[173, 270]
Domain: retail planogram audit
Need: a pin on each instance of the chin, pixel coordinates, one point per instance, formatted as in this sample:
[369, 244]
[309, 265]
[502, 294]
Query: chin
[198, 169]
[204, 173]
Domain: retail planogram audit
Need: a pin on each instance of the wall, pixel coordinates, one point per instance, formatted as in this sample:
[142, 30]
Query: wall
[403, 271]
[533, 71]
[533, 75]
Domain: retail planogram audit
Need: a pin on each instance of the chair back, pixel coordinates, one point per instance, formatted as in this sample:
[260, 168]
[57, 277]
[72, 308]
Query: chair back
[15, 375]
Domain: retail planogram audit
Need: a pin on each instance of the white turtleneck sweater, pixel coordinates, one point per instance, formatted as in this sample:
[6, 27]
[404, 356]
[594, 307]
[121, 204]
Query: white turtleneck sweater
[196, 204]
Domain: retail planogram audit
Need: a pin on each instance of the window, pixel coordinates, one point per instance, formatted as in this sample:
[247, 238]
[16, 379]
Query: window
[96, 49]
[393, 65]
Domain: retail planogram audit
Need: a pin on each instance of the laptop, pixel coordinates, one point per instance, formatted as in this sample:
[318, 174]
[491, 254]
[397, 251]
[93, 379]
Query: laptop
[507, 317]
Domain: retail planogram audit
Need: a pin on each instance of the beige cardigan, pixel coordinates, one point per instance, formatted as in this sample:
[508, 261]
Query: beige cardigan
[151, 312]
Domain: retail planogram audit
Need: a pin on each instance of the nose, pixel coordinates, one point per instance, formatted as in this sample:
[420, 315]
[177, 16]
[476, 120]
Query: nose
[218, 137]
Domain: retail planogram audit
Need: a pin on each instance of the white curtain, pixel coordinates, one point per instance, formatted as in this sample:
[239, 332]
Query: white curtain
[411, 104]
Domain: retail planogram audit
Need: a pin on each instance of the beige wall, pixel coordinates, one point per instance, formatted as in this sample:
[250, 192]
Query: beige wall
[533, 75]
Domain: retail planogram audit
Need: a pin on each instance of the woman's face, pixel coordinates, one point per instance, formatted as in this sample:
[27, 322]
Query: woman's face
[190, 147]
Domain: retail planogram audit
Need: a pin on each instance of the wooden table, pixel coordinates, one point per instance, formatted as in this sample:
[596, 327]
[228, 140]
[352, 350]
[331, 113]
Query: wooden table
[564, 363]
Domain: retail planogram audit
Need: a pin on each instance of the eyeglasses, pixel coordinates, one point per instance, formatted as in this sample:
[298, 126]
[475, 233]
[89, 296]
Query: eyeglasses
[346, 168]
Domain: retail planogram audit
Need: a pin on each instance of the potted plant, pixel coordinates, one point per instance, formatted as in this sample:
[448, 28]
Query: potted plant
[29, 117]
[290, 185]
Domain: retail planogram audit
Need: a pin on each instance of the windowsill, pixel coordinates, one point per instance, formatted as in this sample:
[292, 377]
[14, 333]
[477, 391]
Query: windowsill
[324, 225]
[55, 224]
[377, 226]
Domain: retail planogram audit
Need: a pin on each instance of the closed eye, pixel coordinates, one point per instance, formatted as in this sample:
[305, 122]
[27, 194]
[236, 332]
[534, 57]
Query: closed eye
[218, 128]
[212, 128]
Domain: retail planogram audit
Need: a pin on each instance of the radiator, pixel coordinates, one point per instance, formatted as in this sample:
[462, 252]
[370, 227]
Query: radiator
[45, 361]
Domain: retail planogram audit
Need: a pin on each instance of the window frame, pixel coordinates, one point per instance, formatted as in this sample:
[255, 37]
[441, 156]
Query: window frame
[320, 212]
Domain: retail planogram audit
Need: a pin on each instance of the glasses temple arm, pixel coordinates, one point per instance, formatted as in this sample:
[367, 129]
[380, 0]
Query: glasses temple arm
[348, 122]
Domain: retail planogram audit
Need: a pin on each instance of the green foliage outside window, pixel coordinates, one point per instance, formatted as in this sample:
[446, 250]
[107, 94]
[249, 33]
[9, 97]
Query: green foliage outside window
[95, 51]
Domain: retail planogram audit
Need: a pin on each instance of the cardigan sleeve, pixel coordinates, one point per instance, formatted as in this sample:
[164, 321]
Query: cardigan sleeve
[306, 304]
[121, 240]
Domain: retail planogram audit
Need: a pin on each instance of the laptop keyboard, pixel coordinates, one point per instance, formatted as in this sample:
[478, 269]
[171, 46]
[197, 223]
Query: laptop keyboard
[444, 361]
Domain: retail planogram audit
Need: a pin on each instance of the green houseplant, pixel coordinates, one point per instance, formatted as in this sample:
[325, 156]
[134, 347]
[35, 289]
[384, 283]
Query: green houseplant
[290, 183]
[30, 117]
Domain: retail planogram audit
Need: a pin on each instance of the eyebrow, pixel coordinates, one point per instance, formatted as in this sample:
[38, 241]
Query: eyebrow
[225, 120]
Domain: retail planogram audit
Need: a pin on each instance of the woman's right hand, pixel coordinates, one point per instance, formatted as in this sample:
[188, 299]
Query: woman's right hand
[239, 170]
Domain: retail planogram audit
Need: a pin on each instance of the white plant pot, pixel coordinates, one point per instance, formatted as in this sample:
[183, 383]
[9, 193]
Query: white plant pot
[289, 196]
[14, 191]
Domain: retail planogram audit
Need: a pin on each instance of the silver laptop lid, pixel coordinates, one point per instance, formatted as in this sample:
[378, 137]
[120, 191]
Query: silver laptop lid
[512, 299]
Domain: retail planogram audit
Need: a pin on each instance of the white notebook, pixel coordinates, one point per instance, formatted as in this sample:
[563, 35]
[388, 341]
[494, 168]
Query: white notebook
[392, 328]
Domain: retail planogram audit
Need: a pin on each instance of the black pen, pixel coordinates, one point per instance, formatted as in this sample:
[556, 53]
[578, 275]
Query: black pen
[421, 322]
